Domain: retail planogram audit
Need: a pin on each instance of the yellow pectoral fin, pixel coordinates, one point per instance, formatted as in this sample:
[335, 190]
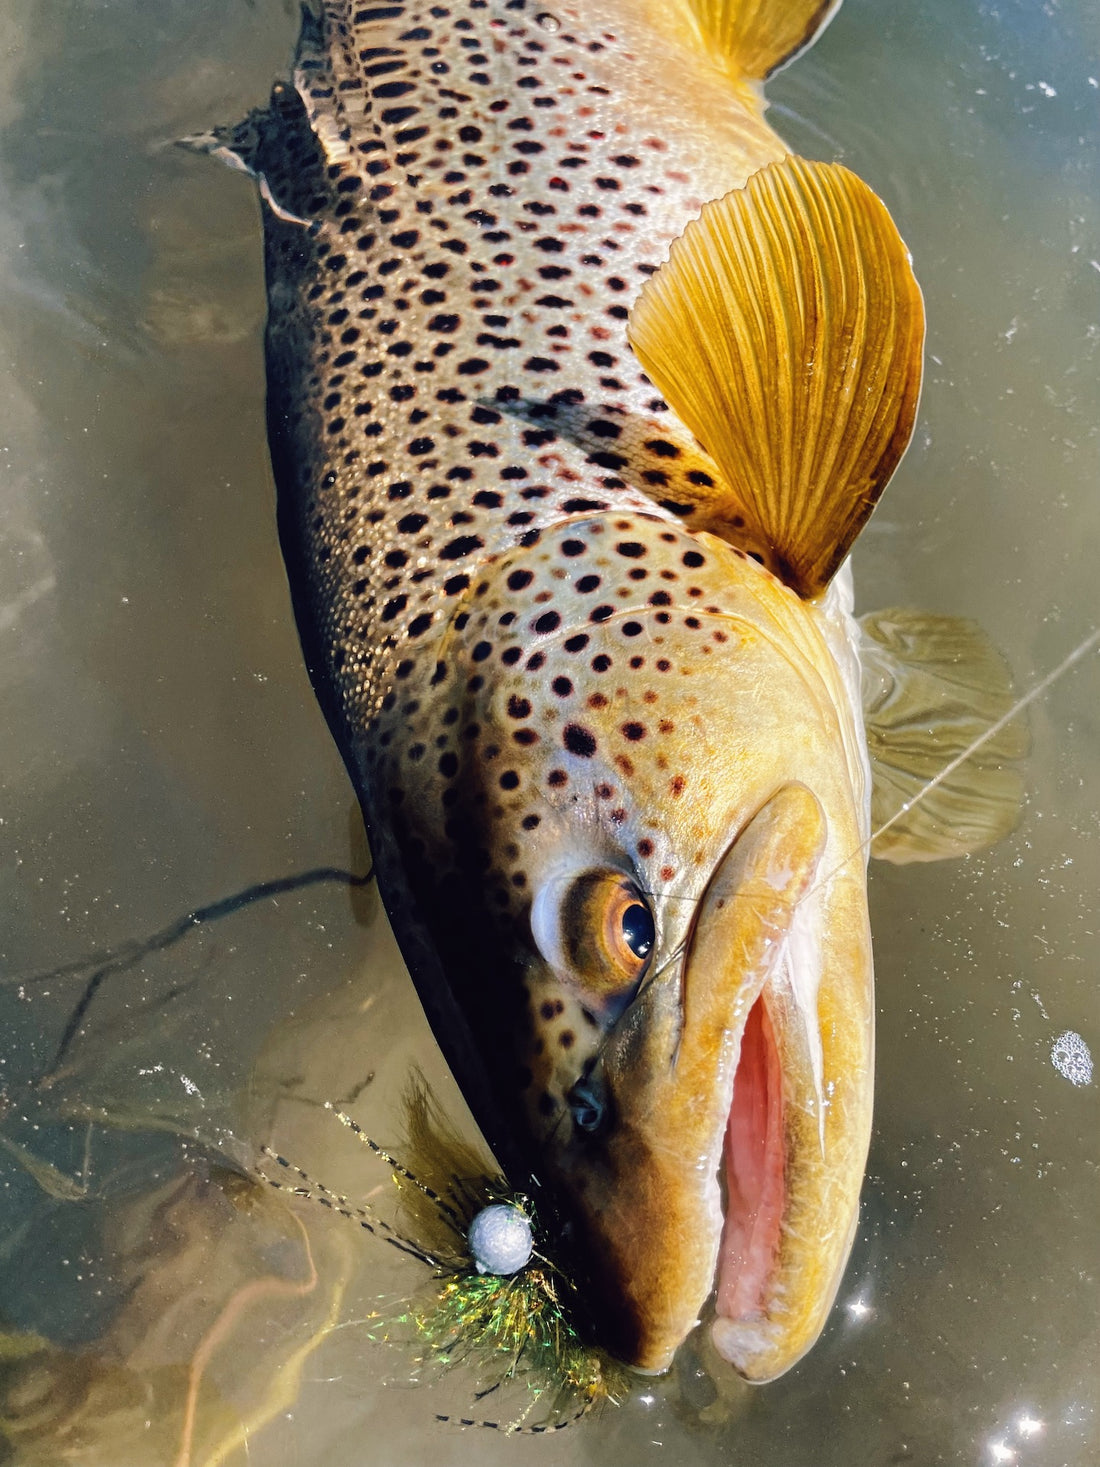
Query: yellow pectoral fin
[932, 687]
[756, 37]
[786, 331]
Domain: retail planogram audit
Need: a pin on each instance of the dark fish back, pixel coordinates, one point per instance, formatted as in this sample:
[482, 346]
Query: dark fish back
[460, 213]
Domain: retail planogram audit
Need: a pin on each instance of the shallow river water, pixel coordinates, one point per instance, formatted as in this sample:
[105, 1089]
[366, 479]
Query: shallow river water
[160, 749]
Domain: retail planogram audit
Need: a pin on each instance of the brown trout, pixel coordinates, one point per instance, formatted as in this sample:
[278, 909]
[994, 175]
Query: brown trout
[580, 389]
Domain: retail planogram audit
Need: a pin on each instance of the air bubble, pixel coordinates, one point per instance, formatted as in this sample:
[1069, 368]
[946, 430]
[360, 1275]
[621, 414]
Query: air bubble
[547, 21]
[1071, 1057]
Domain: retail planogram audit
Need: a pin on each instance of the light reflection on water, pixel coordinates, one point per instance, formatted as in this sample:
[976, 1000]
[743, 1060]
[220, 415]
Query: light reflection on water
[161, 748]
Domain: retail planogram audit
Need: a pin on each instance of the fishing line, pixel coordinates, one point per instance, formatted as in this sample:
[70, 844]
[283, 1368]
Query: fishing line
[1024, 701]
[780, 109]
[1077, 654]
[1070, 660]
[129, 953]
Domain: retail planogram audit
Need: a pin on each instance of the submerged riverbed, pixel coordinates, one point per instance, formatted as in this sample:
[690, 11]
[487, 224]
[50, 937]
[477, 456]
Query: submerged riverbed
[162, 749]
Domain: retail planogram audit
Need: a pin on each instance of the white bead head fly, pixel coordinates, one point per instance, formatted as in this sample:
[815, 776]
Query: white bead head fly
[500, 1239]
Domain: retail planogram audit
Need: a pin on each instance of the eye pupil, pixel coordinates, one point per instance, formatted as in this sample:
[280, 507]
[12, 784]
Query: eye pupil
[638, 929]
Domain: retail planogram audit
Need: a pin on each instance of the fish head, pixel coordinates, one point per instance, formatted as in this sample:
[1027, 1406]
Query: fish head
[643, 870]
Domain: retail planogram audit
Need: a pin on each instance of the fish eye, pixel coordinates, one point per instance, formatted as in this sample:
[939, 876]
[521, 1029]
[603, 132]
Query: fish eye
[597, 931]
[638, 929]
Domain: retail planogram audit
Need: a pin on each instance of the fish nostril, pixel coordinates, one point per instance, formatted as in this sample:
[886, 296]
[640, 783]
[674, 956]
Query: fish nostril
[587, 1105]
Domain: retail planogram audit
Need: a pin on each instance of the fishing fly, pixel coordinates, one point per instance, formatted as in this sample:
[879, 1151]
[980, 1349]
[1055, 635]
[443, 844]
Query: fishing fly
[497, 1301]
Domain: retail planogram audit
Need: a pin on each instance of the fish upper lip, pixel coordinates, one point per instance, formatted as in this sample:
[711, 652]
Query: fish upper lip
[657, 1234]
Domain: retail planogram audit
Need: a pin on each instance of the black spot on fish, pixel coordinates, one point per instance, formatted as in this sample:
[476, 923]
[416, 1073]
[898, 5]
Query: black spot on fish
[579, 740]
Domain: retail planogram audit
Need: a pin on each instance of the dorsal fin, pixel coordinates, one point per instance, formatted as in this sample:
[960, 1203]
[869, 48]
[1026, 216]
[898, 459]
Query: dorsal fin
[756, 37]
[786, 331]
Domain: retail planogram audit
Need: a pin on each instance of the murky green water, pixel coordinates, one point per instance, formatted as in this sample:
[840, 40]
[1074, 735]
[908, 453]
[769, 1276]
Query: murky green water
[160, 749]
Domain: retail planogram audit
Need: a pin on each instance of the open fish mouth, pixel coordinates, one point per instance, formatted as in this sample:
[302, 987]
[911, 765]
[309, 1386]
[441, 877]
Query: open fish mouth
[741, 1096]
[753, 1181]
[789, 1178]
[789, 1211]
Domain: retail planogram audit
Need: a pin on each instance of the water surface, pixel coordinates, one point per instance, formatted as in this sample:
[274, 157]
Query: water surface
[161, 748]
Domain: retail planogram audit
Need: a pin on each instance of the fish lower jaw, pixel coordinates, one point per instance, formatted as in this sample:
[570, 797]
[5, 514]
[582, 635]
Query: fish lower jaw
[743, 1342]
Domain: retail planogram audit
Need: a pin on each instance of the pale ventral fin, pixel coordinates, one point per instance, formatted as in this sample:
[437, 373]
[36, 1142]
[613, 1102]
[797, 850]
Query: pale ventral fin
[756, 37]
[235, 146]
[786, 332]
[932, 685]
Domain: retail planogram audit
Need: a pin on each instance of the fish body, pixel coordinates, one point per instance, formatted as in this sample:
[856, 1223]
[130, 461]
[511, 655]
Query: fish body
[598, 685]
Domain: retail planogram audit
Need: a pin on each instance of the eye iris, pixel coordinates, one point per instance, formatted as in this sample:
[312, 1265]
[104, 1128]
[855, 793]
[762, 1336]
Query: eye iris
[638, 930]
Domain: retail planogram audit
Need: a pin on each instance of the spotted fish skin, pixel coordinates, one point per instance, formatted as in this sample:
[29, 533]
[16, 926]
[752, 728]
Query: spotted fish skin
[446, 349]
[543, 644]
[461, 203]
